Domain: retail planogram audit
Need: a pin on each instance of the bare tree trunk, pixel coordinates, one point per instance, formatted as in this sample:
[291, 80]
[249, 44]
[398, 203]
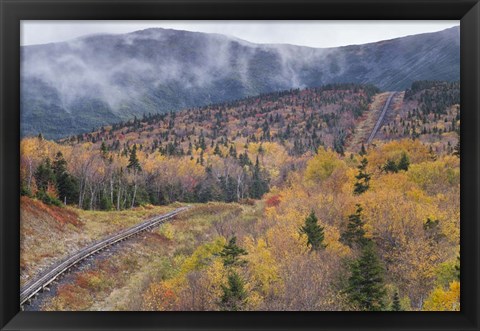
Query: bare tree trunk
[111, 190]
[134, 194]
[134, 188]
[81, 194]
[92, 196]
[119, 193]
[30, 175]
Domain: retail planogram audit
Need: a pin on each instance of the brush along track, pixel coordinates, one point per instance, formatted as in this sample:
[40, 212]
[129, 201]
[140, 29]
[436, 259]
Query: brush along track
[45, 279]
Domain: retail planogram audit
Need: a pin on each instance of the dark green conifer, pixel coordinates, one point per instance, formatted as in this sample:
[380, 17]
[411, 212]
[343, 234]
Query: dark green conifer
[314, 232]
[133, 162]
[44, 175]
[390, 166]
[231, 254]
[404, 162]
[104, 149]
[396, 306]
[354, 235]
[363, 178]
[67, 185]
[234, 295]
[363, 151]
[366, 289]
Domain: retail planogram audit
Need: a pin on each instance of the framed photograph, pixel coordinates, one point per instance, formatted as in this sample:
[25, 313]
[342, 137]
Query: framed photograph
[239, 165]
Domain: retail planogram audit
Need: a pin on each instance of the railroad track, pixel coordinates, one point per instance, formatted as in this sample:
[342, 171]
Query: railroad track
[380, 119]
[42, 282]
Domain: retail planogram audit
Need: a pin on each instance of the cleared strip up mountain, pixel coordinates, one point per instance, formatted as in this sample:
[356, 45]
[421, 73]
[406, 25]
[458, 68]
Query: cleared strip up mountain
[300, 120]
[69, 87]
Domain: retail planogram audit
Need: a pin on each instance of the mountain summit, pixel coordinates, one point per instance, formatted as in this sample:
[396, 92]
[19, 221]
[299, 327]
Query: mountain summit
[71, 87]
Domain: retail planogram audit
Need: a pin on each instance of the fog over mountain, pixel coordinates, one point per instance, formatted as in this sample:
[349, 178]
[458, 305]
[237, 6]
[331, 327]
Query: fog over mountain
[70, 87]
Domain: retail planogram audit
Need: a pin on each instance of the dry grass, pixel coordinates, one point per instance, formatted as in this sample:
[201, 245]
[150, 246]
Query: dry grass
[98, 224]
[49, 233]
[150, 257]
[367, 122]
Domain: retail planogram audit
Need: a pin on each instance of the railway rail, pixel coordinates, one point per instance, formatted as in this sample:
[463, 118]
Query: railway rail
[32, 288]
[380, 119]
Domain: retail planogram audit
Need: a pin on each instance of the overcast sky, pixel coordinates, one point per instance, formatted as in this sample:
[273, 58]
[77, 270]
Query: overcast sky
[306, 33]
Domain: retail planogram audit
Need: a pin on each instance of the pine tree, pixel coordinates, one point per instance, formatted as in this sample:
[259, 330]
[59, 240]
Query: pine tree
[404, 162]
[201, 160]
[259, 184]
[133, 162]
[232, 152]
[457, 268]
[44, 175]
[67, 185]
[234, 295]
[231, 254]
[244, 160]
[456, 149]
[201, 141]
[104, 149]
[363, 178]
[354, 235]
[390, 166]
[315, 233]
[366, 289]
[217, 150]
[396, 306]
[363, 151]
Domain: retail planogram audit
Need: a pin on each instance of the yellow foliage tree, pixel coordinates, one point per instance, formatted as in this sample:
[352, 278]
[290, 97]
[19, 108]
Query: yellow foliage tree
[262, 266]
[322, 165]
[444, 300]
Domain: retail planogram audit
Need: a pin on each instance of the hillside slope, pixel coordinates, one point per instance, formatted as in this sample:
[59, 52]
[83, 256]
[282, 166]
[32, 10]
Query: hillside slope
[70, 87]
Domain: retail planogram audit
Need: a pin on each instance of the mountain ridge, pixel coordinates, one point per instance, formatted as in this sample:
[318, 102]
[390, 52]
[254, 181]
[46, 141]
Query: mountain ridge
[70, 87]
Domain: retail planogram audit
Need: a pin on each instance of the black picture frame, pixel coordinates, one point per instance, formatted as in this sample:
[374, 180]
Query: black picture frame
[13, 11]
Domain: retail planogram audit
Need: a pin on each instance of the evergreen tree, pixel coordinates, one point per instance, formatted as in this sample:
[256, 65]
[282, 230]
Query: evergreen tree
[315, 233]
[217, 150]
[396, 306]
[404, 162]
[259, 184]
[456, 149]
[390, 166]
[232, 152]
[231, 254]
[363, 151]
[44, 175]
[234, 295]
[354, 235]
[104, 149]
[229, 189]
[244, 160]
[201, 141]
[133, 162]
[209, 189]
[457, 268]
[67, 185]
[201, 160]
[363, 178]
[366, 289]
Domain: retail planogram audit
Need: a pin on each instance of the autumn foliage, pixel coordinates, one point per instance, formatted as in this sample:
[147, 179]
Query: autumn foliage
[311, 219]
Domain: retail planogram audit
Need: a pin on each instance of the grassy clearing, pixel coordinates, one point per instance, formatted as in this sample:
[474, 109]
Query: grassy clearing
[151, 257]
[368, 120]
[98, 224]
[50, 233]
